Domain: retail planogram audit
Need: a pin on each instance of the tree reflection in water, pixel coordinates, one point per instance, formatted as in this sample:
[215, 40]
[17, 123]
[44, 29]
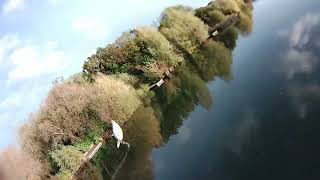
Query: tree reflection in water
[161, 116]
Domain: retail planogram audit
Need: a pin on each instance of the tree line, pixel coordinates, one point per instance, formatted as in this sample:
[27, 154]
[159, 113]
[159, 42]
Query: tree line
[114, 85]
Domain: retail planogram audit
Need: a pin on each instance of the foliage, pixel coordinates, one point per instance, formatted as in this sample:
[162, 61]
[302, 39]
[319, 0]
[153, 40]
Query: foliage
[229, 38]
[75, 114]
[214, 59]
[89, 172]
[178, 98]
[143, 133]
[183, 29]
[143, 52]
[244, 9]
[227, 6]
[68, 159]
[163, 53]
[218, 10]
[245, 24]
[210, 15]
[76, 78]
[92, 137]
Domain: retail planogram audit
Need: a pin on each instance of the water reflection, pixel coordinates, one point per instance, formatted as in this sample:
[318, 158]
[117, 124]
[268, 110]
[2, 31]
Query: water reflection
[301, 62]
[143, 132]
[267, 127]
[282, 140]
[154, 123]
[178, 98]
[159, 118]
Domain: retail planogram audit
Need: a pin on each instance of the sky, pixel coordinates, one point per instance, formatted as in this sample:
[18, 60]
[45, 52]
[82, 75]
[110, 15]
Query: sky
[41, 40]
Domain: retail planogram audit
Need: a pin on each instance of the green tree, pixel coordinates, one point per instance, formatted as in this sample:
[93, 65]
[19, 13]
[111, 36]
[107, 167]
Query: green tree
[143, 52]
[68, 159]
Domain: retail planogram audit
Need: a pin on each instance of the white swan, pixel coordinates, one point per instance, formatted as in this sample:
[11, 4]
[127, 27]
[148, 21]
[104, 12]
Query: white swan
[117, 132]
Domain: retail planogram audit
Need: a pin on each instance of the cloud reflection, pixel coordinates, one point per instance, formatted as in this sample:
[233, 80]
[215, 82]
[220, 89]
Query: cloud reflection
[303, 95]
[300, 62]
[301, 57]
[303, 28]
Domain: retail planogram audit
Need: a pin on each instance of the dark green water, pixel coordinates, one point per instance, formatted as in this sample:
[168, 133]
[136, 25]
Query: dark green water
[260, 123]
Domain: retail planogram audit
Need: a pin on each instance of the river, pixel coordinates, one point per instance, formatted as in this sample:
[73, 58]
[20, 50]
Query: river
[260, 121]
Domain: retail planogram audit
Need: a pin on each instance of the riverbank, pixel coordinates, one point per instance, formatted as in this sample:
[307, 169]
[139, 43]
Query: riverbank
[115, 81]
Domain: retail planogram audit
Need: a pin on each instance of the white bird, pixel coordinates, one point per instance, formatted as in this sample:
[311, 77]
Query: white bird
[117, 132]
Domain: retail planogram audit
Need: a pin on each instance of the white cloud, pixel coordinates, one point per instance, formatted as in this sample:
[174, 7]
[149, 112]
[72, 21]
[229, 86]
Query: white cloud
[32, 61]
[91, 27]
[12, 5]
[7, 42]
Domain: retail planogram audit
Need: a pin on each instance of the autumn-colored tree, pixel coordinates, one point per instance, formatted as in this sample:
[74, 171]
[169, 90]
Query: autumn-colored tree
[218, 10]
[114, 82]
[163, 53]
[72, 110]
[210, 15]
[16, 165]
[181, 27]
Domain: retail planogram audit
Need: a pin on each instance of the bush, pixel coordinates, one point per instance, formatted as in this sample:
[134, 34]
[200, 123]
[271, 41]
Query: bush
[72, 111]
[68, 159]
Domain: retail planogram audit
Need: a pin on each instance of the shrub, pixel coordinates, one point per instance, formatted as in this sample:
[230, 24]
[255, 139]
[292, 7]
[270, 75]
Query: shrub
[68, 159]
[71, 111]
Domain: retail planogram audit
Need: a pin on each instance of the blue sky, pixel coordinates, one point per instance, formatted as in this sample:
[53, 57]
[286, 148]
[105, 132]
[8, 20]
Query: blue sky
[43, 39]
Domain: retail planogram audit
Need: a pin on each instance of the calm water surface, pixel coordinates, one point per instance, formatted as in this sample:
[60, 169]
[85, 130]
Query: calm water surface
[262, 124]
